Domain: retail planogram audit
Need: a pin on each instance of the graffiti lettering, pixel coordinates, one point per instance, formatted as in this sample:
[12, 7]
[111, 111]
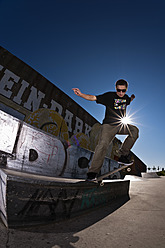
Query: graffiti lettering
[45, 198]
[17, 98]
[68, 119]
[7, 83]
[56, 106]
[91, 198]
[51, 146]
[87, 129]
[79, 125]
[34, 99]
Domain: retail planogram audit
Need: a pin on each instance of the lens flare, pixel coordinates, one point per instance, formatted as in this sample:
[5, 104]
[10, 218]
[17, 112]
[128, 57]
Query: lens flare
[131, 118]
[126, 120]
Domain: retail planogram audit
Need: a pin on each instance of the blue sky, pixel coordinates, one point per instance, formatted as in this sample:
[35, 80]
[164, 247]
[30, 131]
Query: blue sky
[90, 44]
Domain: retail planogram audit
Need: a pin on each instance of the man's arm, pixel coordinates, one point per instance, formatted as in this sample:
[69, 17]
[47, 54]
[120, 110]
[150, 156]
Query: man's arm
[85, 96]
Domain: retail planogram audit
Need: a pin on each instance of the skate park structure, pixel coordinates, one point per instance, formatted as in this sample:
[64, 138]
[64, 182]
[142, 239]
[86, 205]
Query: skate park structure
[47, 143]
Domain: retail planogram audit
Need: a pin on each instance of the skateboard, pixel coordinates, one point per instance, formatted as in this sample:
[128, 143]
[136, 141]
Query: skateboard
[122, 167]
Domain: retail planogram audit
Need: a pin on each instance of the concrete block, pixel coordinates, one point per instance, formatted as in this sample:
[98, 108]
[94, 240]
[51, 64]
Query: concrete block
[32, 150]
[27, 199]
[150, 175]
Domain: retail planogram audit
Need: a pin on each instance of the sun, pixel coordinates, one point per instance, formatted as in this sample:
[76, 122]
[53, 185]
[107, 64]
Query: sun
[126, 120]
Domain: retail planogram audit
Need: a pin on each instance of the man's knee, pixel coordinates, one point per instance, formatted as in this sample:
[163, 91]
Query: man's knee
[134, 132]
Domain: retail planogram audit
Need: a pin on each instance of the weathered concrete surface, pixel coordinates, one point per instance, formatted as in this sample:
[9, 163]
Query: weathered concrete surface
[149, 175]
[29, 149]
[28, 199]
[139, 223]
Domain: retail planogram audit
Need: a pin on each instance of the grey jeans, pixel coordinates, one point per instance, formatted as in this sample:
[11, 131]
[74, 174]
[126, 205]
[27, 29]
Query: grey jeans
[108, 133]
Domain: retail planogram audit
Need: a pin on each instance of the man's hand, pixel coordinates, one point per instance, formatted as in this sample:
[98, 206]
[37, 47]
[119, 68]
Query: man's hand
[85, 96]
[132, 97]
[77, 91]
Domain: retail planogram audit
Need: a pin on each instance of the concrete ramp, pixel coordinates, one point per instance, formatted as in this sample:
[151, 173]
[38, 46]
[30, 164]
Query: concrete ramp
[150, 175]
[133, 178]
[28, 199]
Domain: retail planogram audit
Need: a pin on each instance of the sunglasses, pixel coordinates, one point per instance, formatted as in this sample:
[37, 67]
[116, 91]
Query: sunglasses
[118, 90]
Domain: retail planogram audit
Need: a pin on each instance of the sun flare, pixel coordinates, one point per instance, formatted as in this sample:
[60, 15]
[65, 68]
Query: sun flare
[126, 120]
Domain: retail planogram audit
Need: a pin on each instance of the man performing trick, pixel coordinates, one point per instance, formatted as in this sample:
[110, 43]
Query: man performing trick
[115, 103]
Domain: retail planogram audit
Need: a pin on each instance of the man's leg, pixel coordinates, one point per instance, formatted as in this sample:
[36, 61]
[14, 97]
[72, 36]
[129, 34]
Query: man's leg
[108, 133]
[133, 134]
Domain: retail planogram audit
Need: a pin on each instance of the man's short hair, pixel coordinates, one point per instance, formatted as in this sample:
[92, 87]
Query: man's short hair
[121, 82]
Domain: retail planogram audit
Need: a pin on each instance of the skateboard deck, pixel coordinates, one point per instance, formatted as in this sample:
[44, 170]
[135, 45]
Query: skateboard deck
[100, 178]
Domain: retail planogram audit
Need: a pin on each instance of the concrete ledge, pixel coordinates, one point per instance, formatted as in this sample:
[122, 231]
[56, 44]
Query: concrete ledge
[150, 175]
[133, 178]
[28, 199]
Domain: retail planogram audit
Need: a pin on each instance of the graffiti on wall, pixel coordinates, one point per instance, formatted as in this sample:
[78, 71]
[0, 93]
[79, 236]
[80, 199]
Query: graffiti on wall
[61, 201]
[45, 202]
[29, 96]
[50, 121]
[92, 198]
[29, 149]
[25, 98]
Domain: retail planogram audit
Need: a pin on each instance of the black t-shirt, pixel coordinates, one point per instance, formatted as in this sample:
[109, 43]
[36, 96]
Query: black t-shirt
[115, 106]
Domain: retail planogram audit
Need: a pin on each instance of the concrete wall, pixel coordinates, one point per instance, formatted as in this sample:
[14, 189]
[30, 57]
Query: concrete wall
[23, 91]
[26, 148]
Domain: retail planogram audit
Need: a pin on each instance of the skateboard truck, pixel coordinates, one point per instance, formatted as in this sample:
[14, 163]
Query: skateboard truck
[122, 167]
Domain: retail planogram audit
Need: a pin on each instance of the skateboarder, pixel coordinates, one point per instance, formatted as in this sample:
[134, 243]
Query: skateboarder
[115, 103]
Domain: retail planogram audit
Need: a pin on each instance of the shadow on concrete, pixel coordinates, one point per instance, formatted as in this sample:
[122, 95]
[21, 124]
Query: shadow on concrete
[76, 224]
[63, 234]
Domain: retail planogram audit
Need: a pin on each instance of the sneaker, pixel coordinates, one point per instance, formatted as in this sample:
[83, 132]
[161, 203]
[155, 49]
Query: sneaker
[125, 160]
[91, 176]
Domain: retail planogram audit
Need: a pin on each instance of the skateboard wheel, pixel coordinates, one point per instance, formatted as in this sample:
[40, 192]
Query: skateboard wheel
[101, 184]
